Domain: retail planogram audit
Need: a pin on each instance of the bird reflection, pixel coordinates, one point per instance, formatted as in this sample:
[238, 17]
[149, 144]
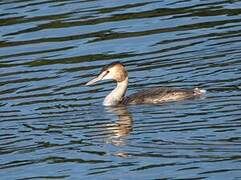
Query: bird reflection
[122, 127]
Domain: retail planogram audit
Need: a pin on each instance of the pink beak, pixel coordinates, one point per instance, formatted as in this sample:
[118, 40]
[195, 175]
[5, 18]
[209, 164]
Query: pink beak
[98, 78]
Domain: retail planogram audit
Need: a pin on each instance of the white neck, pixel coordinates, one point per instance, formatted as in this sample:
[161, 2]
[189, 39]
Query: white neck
[117, 94]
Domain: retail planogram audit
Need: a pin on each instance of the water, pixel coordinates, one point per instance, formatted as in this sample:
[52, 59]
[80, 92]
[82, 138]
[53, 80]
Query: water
[54, 127]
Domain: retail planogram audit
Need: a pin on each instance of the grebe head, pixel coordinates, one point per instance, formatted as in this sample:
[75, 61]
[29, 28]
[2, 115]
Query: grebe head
[114, 71]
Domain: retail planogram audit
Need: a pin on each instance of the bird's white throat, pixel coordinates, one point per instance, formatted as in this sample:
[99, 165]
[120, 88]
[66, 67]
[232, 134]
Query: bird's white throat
[116, 95]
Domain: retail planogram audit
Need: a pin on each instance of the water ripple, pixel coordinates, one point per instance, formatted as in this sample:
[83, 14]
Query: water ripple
[53, 126]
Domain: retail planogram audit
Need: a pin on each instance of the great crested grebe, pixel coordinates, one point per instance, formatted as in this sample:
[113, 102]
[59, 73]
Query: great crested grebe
[156, 95]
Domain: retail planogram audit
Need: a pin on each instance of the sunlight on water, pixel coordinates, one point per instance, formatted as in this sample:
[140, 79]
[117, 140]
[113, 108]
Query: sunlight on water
[52, 126]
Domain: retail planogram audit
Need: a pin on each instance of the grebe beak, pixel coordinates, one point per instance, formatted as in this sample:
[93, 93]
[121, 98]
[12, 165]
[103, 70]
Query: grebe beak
[98, 78]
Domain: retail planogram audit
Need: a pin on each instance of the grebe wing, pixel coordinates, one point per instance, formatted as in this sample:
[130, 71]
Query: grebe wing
[159, 95]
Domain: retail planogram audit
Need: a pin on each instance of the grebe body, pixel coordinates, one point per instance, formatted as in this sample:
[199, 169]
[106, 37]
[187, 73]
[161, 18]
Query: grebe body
[156, 95]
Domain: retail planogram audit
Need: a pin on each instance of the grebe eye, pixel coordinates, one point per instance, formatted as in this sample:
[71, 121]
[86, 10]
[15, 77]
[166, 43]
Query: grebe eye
[107, 72]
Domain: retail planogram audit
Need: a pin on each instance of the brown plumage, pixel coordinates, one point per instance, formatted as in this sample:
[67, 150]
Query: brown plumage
[159, 95]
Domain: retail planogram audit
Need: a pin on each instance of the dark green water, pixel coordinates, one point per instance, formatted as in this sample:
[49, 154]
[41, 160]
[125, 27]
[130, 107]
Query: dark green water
[54, 127]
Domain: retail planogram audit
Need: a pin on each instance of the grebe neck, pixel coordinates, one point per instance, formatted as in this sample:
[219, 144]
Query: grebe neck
[116, 95]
